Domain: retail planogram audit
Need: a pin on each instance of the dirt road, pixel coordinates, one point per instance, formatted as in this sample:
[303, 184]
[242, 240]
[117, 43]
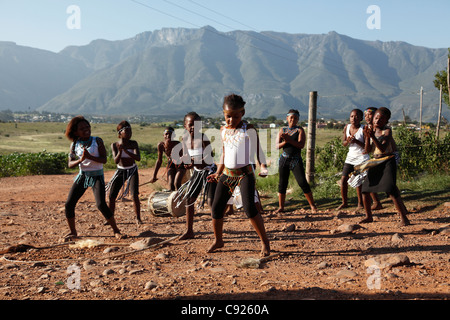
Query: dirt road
[317, 260]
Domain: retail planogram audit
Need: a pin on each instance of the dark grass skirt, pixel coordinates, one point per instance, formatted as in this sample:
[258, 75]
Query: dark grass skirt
[382, 178]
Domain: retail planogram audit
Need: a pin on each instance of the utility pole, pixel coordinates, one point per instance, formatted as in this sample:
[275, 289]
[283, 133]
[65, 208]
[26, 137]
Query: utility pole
[311, 138]
[439, 113]
[420, 110]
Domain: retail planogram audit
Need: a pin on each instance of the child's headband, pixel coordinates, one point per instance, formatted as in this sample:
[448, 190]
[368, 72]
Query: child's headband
[123, 129]
[234, 110]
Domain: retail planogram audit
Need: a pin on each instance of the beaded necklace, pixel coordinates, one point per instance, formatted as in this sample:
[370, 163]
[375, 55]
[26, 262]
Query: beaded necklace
[87, 143]
[291, 131]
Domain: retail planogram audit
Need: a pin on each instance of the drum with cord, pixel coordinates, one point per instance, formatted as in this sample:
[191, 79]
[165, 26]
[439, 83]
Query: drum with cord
[162, 204]
[176, 208]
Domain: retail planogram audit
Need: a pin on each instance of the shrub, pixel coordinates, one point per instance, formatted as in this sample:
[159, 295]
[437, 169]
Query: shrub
[21, 164]
[421, 153]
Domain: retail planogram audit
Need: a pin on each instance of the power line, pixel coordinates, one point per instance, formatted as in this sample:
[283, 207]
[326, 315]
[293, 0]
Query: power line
[326, 60]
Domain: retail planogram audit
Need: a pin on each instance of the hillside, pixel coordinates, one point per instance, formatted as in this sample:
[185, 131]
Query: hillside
[172, 71]
[30, 77]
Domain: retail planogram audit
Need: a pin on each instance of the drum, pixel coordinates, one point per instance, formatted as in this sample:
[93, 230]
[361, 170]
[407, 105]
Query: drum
[161, 204]
[174, 209]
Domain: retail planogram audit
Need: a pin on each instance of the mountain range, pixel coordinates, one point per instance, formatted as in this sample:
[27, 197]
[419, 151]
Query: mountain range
[175, 70]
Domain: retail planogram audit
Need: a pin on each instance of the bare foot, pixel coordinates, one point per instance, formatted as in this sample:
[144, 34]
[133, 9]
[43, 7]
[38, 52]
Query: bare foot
[358, 210]
[265, 250]
[139, 221]
[120, 236]
[405, 222]
[70, 237]
[215, 245]
[366, 220]
[279, 210]
[313, 209]
[342, 206]
[187, 235]
[377, 206]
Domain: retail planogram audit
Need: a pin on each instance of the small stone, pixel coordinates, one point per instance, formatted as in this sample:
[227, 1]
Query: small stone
[108, 272]
[391, 275]
[397, 238]
[87, 265]
[346, 274]
[161, 256]
[150, 285]
[96, 283]
[388, 261]
[347, 228]
[289, 228]
[137, 271]
[144, 243]
[110, 249]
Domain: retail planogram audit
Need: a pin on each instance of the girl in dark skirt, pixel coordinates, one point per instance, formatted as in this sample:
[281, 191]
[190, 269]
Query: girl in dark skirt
[383, 177]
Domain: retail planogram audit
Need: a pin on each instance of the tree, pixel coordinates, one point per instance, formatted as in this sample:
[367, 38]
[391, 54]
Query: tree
[271, 118]
[441, 78]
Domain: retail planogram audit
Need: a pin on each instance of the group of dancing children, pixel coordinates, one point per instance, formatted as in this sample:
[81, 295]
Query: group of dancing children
[234, 173]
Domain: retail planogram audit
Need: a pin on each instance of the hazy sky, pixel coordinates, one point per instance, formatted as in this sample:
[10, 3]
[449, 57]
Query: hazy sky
[55, 24]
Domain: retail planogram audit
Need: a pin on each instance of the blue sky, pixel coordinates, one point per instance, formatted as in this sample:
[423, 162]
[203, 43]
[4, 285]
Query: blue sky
[44, 23]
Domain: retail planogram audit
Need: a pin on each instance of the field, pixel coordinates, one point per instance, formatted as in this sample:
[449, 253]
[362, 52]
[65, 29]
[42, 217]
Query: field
[49, 136]
[317, 258]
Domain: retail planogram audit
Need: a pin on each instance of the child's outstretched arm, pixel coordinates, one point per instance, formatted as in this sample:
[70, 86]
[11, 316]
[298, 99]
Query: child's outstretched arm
[260, 155]
[220, 166]
[158, 162]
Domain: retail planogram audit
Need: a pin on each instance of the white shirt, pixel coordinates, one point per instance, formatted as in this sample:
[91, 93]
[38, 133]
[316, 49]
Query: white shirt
[88, 164]
[355, 154]
[239, 147]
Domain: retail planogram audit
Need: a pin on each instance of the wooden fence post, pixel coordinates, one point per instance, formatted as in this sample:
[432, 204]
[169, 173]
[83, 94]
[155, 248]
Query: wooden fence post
[439, 113]
[311, 137]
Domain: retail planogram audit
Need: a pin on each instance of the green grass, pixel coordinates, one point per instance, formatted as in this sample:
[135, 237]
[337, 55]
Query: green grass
[18, 140]
[32, 137]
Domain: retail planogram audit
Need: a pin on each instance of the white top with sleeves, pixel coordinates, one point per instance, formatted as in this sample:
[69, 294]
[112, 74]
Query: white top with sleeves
[239, 147]
[88, 164]
[355, 153]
